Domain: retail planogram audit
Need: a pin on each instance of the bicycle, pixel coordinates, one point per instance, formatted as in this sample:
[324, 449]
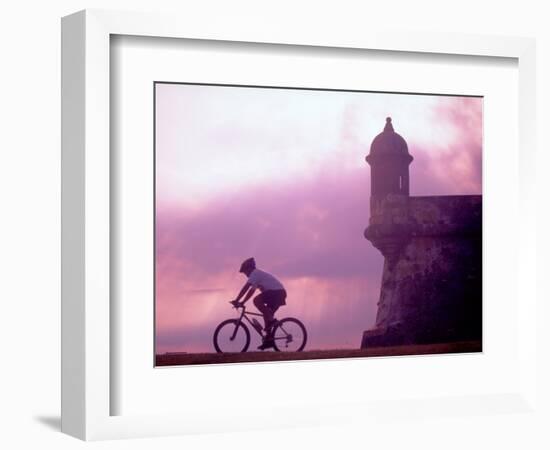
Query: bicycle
[233, 336]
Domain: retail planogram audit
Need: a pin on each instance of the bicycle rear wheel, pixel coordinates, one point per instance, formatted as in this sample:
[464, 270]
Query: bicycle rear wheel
[289, 335]
[231, 336]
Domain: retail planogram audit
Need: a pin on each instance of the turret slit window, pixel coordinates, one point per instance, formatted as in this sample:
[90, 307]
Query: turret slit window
[400, 183]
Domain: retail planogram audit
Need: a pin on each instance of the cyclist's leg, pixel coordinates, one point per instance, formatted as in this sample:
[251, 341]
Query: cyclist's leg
[261, 302]
[276, 301]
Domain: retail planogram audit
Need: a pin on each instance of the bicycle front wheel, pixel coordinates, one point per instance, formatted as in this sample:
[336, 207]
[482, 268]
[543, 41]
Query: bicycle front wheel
[231, 336]
[290, 335]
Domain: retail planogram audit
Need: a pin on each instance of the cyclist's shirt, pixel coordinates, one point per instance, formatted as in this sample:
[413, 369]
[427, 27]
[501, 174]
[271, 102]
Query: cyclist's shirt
[264, 281]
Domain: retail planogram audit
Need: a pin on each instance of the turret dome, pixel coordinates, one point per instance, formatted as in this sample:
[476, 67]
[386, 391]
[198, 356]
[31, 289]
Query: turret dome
[388, 142]
[389, 159]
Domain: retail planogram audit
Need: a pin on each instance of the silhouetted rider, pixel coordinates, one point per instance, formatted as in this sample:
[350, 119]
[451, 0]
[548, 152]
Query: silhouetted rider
[272, 296]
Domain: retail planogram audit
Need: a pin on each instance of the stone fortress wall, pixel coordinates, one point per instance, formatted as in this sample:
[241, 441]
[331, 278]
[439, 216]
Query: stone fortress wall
[431, 287]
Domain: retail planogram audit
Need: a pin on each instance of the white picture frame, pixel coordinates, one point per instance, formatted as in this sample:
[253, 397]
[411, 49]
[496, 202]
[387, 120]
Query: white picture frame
[86, 215]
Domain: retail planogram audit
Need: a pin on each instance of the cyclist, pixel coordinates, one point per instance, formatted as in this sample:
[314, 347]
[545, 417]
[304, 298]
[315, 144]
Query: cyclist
[272, 296]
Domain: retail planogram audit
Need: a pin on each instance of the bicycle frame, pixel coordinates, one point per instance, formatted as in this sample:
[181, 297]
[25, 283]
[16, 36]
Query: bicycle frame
[245, 314]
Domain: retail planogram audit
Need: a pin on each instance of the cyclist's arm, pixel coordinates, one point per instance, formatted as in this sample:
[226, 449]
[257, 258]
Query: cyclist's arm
[249, 294]
[243, 291]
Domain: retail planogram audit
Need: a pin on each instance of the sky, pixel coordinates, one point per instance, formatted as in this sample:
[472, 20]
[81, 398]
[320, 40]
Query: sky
[280, 175]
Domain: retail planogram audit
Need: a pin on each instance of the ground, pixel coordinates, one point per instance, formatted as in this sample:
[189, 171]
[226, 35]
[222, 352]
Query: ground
[217, 358]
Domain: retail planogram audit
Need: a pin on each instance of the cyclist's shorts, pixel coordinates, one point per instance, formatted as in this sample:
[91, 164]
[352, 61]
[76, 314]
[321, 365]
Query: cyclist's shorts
[274, 299]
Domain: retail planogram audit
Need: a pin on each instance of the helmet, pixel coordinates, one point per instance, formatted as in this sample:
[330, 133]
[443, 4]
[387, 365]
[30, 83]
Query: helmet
[247, 265]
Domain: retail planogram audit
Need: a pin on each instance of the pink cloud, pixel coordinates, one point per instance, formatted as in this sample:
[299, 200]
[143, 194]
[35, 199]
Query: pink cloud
[310, 236]
[454, 165]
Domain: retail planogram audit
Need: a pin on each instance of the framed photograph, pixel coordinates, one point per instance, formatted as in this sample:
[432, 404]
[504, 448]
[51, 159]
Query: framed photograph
[242, 207]
[280, 173]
